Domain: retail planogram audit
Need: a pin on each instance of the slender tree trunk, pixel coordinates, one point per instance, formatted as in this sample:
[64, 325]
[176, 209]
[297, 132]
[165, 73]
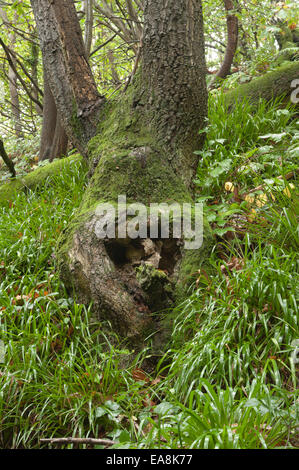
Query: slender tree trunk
[34, 75]
[114, 74]
[60, 141]
[71, 81]
[141, 145]
[9, 163]
[88, 8]
[232, 42]
[287, 37]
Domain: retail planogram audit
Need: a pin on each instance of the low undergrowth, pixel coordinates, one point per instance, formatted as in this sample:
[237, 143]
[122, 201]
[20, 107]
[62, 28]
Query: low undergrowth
[229, 377]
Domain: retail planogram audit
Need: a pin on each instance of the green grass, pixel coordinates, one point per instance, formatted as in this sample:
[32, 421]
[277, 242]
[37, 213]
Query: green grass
[61, 373]
[227, 379]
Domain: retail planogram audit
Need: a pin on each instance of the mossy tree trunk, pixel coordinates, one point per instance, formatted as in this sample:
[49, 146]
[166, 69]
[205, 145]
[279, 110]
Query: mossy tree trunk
[53, 139]
[12, 77]
[143, 148]
[9, 163]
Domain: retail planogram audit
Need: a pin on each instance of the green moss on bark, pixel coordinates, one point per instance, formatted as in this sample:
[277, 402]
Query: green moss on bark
[157, 286]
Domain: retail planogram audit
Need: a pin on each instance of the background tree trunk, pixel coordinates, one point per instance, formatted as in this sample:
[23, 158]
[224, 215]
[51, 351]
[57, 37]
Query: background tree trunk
[53, 139]
[12, 79]
[49, 122]
[271, 85]
[60, 141]
[173, 65]
[34, 74]
[9, 163]
[88, 8]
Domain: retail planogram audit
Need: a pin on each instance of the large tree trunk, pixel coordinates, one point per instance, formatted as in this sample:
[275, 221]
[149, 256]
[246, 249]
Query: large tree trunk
[9, 163]
[144, 150]
[277, 84]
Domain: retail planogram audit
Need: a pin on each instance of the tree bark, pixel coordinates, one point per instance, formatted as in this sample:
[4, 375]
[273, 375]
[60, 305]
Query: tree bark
[60, 141]
[71, 81]
[88, 8]
[172, 69]
[34, 75]
[232, 42]
[53, 139]
[15, 102]
[143, 148]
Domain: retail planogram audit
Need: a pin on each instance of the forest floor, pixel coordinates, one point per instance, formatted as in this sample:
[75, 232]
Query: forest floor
[229, 377]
